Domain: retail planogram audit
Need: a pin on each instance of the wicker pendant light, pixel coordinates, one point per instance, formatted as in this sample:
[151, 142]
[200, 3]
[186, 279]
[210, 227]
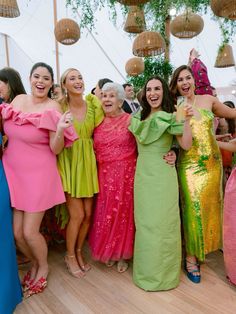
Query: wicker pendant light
[187, 25]
[225, 57]
[67, 31]
[135, 22]
[132, 2]
[134, 66]
[9, 8]
[224, 8]
[148, 44]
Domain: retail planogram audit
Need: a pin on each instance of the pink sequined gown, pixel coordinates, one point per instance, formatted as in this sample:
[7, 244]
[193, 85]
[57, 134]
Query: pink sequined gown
[229, 227]
[112, 231]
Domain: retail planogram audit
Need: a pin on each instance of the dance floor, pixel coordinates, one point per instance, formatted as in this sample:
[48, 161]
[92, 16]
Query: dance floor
[104, 291]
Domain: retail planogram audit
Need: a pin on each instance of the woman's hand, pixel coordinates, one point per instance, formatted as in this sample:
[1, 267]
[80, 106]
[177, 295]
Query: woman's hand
[65, 121]
[189, 112]
[224, 137]
[193, 55]
[170, 158]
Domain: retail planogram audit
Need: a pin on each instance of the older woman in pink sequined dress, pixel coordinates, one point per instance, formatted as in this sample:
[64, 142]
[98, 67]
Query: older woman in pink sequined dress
[112, 233]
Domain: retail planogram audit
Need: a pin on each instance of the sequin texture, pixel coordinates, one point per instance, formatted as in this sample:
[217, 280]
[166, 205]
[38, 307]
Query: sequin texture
[200, 173]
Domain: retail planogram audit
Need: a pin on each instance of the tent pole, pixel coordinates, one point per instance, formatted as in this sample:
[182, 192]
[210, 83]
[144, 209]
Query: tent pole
[7, 50]
[56, 43]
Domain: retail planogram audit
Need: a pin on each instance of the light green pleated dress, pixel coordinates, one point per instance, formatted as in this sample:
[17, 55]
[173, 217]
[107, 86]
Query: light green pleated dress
[77, 164]
[157, 251]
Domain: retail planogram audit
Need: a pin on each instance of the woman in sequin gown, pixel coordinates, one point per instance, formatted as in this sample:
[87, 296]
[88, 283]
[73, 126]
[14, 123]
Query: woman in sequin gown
[200, 174]
[112, 232]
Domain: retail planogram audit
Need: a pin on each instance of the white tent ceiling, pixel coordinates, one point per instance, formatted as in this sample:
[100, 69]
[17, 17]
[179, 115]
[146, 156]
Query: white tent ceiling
[31, 39]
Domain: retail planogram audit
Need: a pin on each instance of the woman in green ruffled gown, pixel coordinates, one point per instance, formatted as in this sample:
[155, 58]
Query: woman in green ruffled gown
[78, 169]
[157, 250]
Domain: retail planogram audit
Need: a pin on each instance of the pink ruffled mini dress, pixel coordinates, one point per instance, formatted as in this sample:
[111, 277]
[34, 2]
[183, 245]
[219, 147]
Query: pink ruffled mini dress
[30, 165]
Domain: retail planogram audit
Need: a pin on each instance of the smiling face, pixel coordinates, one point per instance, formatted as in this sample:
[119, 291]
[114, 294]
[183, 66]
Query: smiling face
[74, 83]
[41, 82]
[110, 103]
[154, 94]
[185, 83]
[4, 91]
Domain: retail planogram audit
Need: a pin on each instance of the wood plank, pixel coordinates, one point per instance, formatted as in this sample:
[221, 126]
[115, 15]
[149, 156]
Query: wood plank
[104, 290]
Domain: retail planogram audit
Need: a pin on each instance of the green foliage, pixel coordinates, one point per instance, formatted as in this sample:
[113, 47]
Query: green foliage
[153, 66]
[156, 12]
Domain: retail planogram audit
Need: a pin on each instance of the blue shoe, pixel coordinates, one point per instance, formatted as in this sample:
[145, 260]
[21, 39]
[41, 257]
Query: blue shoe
[191, 273]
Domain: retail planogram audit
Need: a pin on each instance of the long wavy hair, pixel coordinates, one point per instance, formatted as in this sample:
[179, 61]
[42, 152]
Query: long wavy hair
[167, 103]
[173, 82]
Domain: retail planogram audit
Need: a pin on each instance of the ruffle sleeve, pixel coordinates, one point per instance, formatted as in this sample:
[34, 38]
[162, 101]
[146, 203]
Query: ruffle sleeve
[151, 129]
[97, 107]
[47, 120]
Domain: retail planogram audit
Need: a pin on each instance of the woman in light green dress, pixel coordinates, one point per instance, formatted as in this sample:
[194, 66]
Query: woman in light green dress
[157, 251]
[77, 166]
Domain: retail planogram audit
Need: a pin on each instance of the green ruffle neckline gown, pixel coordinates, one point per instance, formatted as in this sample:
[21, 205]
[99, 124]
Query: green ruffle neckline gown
[157, 251]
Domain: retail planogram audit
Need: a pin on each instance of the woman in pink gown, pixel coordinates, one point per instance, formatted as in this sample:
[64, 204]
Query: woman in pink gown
[35, 130]
[229, 218]
[112, 231]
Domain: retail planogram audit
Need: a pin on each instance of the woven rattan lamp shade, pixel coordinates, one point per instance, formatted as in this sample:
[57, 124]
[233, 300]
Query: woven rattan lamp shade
[225, 58]
[9, 8]
[148, 44]
[186, 25]
[67, 32]
[224, 8]
[132, 2]
[134, 66]
[135, 22]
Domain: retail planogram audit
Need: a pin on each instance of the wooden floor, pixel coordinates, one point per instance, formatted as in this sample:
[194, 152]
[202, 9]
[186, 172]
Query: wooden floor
[103, 290]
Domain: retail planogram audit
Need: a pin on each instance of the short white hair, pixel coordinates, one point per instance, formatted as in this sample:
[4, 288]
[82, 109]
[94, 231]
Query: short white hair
[119, 89]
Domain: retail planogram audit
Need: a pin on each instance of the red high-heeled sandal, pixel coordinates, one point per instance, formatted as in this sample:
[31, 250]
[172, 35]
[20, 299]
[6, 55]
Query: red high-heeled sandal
[37, 287]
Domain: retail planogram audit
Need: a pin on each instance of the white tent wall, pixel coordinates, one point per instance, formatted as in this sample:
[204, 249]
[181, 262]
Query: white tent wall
[33, 38]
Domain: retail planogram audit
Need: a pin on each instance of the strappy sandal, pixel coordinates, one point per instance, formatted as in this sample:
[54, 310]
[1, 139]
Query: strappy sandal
[27, 281]
[84, 267]
[37, 287]
[75, 272]
[122, 266]
[191, 271]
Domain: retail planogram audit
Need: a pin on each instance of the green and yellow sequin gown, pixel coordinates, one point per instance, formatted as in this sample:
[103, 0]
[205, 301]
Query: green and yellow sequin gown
[200, 172]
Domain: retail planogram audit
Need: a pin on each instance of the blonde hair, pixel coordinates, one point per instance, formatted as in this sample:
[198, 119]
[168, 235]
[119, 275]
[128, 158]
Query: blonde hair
[64, 100]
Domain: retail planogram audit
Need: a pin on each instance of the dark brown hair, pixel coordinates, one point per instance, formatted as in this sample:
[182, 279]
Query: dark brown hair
[167, 103]
[173, 82]
[50, 70]
[13, 79]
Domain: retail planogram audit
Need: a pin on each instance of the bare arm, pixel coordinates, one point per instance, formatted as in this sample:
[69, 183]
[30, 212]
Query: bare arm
[185, 140]
[230, 146]
[57, 138]
[221, 110]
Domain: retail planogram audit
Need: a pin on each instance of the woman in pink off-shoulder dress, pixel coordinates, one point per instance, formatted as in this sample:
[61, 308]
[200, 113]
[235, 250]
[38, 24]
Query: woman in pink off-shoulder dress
[35, 129]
